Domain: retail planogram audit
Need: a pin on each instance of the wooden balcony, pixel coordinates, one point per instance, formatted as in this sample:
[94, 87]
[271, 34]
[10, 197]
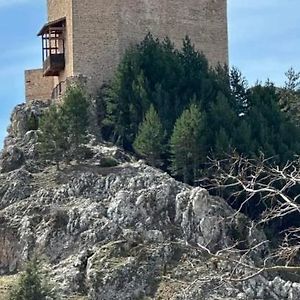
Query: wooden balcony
[54, 64]
[53, 43]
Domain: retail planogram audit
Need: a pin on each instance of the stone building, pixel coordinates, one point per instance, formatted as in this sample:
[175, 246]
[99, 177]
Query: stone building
[88, 37]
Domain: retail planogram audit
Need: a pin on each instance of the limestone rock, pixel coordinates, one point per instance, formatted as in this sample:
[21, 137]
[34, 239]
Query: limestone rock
[11, 159]
[121, 230]
[20, 145]
[23, 117]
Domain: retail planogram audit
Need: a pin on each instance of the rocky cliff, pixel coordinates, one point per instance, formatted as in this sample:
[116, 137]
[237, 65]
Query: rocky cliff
[111, 227]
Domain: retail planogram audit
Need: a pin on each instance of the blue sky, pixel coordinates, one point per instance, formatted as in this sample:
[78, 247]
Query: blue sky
[264, 42]
[20, 49]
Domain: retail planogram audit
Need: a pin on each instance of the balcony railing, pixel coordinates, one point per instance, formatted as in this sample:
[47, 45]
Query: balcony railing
[58, 91]
[54, 64]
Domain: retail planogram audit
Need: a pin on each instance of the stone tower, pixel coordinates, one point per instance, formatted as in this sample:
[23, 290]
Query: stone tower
[88, 37]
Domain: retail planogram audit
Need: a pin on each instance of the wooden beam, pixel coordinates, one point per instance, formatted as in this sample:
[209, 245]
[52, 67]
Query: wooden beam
[59, 29]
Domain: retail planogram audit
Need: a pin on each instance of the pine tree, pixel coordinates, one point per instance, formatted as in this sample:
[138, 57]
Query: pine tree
[157, 73]
[239, 88]
[235, 117]
[32, 284]
[150, 139]
[290, 96]
[63, 128]
[276, 136]
[118, 99]
[222, 121]
[243, 140]
[223, 143]
[140, 102]
[53, 138]
[75, 112]
[185, 144]
[222, 114]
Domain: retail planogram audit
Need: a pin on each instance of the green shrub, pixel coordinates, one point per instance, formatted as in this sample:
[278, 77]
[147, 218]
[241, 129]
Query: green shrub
[32, 122]
[32, 284]
[108, 162]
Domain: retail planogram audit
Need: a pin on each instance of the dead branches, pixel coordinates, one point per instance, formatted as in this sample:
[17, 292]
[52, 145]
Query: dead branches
[271, 191]
[275, 187]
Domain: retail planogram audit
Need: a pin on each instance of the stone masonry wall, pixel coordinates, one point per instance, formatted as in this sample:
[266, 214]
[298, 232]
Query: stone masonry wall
[99, 31]
[59, 9]
[103, 29]
[96, 39]
[37, 87]
[204, 21]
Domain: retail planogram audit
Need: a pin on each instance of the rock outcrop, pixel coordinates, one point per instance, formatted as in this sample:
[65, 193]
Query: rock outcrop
[119, 231]
[20, 145]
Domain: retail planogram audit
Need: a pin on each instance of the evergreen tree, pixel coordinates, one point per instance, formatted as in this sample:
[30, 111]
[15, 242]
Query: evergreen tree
[32, 284]
[223, 143]
[244, 141]
[63, 128]
[140, 102]
[53, 138]
[155, 73]
[221, 114]
[220, 77]
[185, 144]
[118, 99]
[75, 114]
[290, 96]
[222, 121]
[150, 139]
[235, 117]
[271, 128]
[239, 88]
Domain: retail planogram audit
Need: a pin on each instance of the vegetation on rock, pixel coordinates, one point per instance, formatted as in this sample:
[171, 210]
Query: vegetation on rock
[290, 96]
[32, 122]
[150, 140]
[234, 117]
[75, 112]
[185, 141]
[205, 114]
[32, 284]
[64, 127]
[166, 105]
[54, 143]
